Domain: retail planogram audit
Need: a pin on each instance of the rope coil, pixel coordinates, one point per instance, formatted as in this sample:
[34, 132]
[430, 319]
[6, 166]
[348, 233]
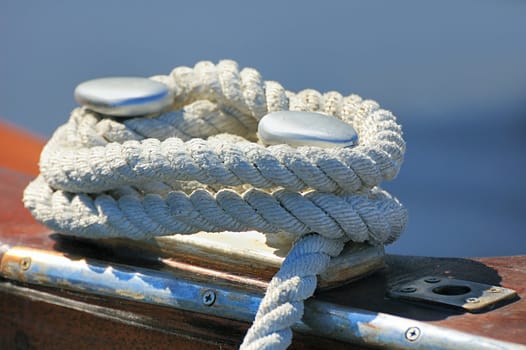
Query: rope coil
[201, 170]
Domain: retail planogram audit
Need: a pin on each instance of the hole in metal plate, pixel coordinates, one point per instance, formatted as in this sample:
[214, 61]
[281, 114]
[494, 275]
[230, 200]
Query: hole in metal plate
[449, 289]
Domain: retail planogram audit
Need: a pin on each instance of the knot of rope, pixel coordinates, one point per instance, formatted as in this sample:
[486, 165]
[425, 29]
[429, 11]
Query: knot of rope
[197, 166]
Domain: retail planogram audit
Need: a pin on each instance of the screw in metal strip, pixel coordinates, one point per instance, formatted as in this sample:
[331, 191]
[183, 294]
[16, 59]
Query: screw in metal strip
[209, 297]
[412, 334]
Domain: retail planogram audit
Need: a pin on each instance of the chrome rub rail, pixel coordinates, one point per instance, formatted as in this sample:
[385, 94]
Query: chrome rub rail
[347, 324]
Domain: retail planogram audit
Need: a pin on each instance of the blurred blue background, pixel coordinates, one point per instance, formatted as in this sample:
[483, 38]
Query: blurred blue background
[454, 72]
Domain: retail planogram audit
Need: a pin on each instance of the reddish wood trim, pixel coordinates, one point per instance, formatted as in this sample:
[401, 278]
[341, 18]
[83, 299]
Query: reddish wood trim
[20, 150]
[16, 223]
[507, 322]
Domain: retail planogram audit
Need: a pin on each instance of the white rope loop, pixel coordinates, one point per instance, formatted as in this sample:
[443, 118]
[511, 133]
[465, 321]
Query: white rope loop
[220, 109]
[375, 217]
[201, 170]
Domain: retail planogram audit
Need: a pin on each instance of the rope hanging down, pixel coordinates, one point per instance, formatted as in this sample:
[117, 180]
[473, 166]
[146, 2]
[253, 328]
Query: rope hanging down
[202, 170]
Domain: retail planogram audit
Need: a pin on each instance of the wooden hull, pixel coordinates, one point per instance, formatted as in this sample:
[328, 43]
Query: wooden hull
[51, 315]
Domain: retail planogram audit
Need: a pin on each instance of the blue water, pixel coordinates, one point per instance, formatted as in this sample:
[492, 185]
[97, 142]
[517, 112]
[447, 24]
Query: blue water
[454, 72]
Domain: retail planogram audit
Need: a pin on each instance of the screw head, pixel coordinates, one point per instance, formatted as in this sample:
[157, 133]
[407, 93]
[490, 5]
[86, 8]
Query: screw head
[209, 297]
[432, 280]
[25, 263]
[408, 290]
[495, 290]
[472, 300]
[412, 334]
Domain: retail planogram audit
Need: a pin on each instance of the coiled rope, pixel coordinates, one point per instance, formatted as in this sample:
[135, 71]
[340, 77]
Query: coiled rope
[202, 170]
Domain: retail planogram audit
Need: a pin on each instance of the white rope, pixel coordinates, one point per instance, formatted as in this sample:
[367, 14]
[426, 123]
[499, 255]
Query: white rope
[201, 170]
[296, 281]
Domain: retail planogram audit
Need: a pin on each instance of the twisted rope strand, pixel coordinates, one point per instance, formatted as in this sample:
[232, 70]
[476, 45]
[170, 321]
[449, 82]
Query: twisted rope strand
[375, 217]
[295, 282]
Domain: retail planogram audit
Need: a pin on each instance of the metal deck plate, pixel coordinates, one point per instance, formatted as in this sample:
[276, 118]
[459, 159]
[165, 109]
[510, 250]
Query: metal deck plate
[470, 296]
